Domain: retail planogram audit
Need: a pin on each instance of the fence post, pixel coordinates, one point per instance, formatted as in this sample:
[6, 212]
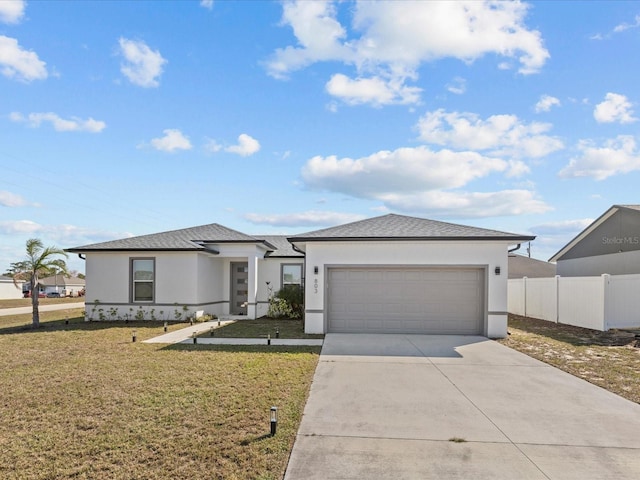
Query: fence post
[557, 298]
[605, 301]
[524, 295]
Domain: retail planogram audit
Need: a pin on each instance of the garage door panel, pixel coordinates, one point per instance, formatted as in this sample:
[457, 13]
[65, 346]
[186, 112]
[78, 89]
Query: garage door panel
[412, 300]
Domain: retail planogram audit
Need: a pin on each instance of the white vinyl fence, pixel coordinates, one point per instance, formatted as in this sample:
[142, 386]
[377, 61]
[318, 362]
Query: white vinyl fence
[599, 303]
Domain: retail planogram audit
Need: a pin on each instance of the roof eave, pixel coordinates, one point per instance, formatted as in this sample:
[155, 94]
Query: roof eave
[92, 250]
[513, 239]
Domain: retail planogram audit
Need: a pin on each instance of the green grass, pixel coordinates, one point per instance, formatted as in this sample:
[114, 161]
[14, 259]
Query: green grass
[607, 359]
[262, 327]
[82, 401]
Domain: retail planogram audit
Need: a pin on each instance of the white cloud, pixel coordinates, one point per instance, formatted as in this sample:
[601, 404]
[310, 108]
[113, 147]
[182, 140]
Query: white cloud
[142, 65]
[467, 204]
[419, 180]
[391, 39]
[498, 134]
[458, 86]
[303, 219]
[246, 146]
[616, 156]
[375, 90]
[621, 27]
[212, 146]
[60, 124]
[12, 11]
[208, 4]
[23, 65]
[405, 169]
[562, 227]
[626, 26]
[614, 108]
[172, 141]
[19, 227]
[8, 199]
[318, 33]
[546, 102]
[71, 235]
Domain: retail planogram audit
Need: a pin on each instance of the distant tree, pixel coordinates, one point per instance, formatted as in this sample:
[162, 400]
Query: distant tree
[75, 273]
[40, 262]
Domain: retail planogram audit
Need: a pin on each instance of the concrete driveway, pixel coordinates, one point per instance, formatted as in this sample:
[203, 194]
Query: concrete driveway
[390, 406]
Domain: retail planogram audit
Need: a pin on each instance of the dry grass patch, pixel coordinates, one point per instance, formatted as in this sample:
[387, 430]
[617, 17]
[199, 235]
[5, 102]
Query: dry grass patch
[608, 359]
[83, 401]
[262, 327]
[26, 302]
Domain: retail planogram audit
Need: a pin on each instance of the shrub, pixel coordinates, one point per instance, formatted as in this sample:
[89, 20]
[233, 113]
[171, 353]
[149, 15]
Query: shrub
[287, 303]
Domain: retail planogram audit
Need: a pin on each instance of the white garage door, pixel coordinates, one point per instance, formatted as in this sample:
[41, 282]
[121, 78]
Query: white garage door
[406, 300]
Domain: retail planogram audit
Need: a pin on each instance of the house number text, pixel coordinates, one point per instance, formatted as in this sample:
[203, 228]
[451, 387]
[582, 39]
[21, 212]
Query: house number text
[315, 285]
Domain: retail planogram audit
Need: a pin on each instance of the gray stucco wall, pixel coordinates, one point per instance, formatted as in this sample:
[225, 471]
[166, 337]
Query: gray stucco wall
[623, 263]
[618, 233]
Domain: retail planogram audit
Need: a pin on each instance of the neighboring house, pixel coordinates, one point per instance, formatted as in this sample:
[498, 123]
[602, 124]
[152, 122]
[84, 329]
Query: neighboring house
[8, 289]
[521, 266]
[65, 286]
[611, 244]
[386, 274]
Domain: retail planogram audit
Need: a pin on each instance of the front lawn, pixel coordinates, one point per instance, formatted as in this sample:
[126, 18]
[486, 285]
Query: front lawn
[610, 360]
[262, 327]
[83, 401]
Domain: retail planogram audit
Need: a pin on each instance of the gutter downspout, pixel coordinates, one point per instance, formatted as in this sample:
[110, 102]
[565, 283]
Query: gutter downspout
[517, 247]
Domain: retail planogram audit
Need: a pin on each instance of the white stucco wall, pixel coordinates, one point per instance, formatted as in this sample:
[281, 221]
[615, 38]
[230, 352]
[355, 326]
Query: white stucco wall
[176, 282]
[623, 263]
[200, 281]
[9, 291]
[487, 254]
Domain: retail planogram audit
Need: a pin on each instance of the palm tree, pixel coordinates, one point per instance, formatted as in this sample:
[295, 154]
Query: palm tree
[39, 263]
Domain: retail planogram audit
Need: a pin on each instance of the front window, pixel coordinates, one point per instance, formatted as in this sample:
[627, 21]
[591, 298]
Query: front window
[291, 274]
[143, 278]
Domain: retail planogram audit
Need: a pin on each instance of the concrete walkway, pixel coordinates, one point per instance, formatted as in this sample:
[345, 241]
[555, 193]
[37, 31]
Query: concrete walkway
[5, 312]
[444, 407]
[185, 335]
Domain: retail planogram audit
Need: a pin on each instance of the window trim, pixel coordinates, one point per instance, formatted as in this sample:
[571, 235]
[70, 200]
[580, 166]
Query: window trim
[132, 281]
[300, 265]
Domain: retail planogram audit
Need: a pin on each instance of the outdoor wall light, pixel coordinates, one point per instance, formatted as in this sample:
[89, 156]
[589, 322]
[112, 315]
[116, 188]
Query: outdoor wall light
[315, 270]
[274, 420]
[497, 270]
[133, 337]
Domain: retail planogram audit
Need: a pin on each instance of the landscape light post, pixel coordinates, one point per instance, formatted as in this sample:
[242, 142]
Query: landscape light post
[274, 420]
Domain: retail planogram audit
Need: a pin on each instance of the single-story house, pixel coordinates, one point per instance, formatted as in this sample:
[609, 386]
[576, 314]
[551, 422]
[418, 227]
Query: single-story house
[521, 266]
[611, 244]
[65, 286]
[9, 290]
[385, 274]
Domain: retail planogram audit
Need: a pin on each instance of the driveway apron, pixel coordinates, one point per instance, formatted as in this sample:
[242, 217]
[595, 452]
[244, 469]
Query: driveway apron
[444, 407]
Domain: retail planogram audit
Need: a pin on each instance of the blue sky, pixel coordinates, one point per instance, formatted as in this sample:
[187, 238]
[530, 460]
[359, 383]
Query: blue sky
[132, 117]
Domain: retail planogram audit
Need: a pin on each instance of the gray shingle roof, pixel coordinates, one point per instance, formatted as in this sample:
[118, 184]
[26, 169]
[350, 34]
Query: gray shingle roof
[631, 207]
[61, 280]
[400, 227]
[184, 239]
[283, 247]
[521, 266]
